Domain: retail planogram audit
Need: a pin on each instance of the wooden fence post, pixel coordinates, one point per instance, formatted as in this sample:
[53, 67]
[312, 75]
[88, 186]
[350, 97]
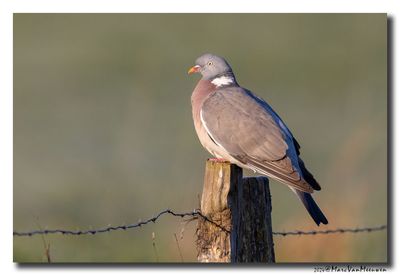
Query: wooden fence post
[241, 207]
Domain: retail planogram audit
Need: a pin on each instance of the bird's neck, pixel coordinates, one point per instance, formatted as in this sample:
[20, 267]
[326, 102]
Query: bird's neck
[224, 80]
[203, 89]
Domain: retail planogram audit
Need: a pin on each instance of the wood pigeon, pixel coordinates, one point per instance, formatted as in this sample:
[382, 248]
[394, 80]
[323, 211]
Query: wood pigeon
[234, 124]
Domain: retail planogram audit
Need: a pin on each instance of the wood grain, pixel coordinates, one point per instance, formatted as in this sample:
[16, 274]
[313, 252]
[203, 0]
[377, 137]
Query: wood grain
[240, 205]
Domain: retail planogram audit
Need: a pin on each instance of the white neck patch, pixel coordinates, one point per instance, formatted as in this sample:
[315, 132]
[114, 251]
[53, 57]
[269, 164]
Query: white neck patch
[223, 80]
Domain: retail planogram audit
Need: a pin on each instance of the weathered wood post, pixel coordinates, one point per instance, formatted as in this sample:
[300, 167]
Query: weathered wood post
[241, 207]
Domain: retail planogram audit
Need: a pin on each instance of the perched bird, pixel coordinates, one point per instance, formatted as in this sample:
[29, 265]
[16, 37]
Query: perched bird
[234, 124]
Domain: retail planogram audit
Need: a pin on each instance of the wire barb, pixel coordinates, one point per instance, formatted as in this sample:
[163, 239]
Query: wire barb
[194, 214]
[331, 231]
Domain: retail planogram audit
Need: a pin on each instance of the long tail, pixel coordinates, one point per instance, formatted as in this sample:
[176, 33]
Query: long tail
[312, 207]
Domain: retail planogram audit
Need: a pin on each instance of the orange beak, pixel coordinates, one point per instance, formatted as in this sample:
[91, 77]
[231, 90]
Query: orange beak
[194, 69]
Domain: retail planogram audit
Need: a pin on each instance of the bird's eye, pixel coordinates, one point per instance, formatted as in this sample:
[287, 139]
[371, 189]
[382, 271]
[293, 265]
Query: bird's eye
[209, 63]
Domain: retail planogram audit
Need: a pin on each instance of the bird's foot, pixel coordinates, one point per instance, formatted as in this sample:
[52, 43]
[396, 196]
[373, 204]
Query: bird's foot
[217, 160]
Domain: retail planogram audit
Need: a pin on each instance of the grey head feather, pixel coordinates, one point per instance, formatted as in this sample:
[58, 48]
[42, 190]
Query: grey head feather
[213, 66]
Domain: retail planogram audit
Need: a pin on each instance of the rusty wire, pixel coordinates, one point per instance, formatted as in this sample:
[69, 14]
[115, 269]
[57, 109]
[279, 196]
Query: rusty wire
[194, 215]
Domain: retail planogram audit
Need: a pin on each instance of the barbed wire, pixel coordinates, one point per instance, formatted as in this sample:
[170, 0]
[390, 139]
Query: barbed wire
[193, 215]
[332, 231]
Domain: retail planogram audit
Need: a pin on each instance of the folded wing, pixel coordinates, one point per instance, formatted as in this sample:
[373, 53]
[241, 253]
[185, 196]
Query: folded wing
[249, 132]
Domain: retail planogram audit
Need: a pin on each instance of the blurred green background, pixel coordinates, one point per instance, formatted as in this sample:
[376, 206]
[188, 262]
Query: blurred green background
[103, 130]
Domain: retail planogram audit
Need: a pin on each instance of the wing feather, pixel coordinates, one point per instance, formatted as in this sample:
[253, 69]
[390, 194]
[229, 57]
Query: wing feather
[249, 133]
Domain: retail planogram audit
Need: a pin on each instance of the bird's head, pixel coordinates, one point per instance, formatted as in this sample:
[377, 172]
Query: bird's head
[211, 66]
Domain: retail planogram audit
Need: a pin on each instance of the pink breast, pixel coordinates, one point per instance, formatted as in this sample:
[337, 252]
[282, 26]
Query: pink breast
[202, 90]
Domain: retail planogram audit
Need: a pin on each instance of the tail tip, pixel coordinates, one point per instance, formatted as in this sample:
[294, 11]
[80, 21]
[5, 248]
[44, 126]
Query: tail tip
[322, 220]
